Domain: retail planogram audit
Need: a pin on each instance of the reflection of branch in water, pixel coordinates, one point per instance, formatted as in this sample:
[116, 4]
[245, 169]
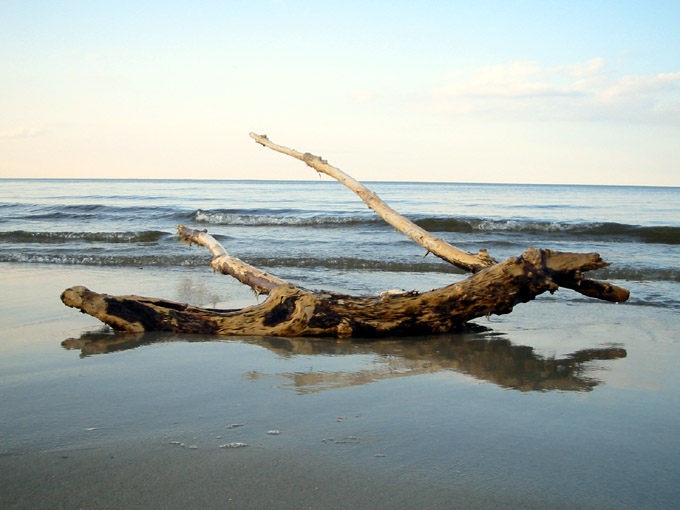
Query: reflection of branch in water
[482, 356]
[475, 352]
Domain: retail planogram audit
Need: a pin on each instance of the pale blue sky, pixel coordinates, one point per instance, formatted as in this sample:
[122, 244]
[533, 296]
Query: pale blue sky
[533, 91]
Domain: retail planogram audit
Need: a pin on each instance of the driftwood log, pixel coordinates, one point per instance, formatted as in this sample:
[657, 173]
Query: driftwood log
[290, 310]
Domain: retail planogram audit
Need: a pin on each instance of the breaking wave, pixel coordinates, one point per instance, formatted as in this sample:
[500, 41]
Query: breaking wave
[289, 218]
[105, 259]
[22, 236]
[278, 218]
[612, 231]
[35, 212]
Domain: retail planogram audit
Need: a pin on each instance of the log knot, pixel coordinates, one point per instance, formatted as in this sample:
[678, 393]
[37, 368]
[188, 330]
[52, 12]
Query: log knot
[309, 158]
[280, 312]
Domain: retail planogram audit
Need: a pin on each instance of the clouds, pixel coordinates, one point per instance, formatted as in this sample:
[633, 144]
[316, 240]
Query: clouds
[133, 93]
[21, 132]
[643, 86]
[514, 80]
[580, 91]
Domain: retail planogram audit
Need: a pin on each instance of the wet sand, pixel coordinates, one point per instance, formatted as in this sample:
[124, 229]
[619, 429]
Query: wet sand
[562, 404]
[146, 475]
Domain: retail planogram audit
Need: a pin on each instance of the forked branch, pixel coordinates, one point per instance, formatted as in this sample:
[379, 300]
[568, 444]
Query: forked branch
[435, 245]
[495, 288]
[256, 279]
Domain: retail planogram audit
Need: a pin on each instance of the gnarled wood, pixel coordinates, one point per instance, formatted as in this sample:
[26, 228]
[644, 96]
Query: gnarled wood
[292, 311]
[494, 288]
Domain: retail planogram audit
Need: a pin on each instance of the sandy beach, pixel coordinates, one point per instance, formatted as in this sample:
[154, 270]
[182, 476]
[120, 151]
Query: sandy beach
[146, 474]
[560, 404]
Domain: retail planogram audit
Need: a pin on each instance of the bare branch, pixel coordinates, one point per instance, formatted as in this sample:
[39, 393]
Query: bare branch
[432, 244]
[258, 280]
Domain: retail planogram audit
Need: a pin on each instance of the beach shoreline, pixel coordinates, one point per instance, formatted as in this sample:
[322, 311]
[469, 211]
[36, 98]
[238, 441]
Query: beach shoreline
[379, 425]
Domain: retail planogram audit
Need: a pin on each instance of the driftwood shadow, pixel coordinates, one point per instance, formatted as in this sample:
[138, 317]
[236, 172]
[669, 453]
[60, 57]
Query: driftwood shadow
[476, 351]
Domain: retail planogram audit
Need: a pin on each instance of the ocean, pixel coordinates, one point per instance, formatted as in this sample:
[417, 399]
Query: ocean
[319, 234]
[567, 402]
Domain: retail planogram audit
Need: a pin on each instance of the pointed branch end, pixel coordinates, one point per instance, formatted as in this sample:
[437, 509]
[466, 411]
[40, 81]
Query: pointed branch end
[258, 138]
[566, 270]
[486, 259]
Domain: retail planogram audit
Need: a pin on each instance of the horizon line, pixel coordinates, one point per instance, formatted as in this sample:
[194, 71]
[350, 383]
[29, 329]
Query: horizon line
[170, 179]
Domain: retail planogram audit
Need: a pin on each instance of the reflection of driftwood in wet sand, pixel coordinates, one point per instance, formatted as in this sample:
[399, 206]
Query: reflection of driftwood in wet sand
[494, 288]
[473, 353]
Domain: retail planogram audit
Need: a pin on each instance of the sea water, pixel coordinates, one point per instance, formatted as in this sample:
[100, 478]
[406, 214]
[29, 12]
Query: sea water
[319, 234]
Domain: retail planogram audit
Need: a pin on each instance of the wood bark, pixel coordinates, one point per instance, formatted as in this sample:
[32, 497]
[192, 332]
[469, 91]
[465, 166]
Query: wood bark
[293, 311]
[494, 288]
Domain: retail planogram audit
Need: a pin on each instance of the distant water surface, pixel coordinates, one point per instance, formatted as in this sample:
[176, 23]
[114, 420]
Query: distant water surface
[317, 232]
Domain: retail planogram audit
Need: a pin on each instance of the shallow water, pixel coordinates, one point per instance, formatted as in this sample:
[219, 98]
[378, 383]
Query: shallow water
[563, 403]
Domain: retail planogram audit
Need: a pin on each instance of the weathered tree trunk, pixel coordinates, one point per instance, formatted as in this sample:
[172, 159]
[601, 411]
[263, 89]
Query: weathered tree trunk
[494, 288]
[292, 311]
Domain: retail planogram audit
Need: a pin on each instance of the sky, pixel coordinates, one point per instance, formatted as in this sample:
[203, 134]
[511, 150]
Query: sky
[572, 92]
